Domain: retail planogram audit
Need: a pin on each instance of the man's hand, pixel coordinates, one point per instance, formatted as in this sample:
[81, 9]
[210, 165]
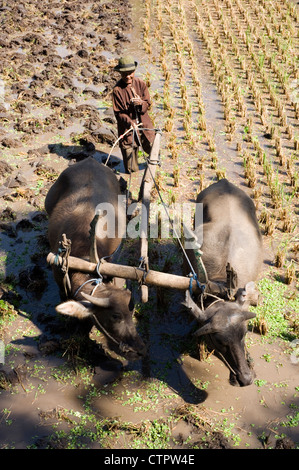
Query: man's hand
[137, 101]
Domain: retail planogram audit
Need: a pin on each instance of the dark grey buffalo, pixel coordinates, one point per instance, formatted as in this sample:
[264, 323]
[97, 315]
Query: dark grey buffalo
[232, 255]
[71, 204]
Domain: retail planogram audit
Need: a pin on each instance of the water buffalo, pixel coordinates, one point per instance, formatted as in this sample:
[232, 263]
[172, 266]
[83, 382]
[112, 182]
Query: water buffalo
[71, 204]
[230, 239]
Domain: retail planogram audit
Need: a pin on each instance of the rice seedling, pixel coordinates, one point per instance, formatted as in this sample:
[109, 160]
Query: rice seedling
[176, 176]
[214, 161]
[250, 169]
[202, 124]
[290, 132]
[211, 142]
[290, 275]
[267, 221]
[287, 222]
[220, 173]
[280, 257]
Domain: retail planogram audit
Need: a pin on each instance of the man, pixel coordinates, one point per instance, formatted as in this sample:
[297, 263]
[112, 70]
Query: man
[131, 101]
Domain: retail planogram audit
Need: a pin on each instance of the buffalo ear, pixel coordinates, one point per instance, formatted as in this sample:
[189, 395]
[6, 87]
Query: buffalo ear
[73, 309]
[198, 314]
[248, 295]
[248, 315]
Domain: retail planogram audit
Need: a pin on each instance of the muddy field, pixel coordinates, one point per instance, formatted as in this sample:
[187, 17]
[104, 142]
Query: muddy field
[223, 76]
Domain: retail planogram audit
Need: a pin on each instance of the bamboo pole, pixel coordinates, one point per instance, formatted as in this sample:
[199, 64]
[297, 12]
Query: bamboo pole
[153, 278]
[147, 185]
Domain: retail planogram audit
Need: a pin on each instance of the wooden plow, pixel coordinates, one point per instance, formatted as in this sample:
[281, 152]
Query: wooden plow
[142, 274]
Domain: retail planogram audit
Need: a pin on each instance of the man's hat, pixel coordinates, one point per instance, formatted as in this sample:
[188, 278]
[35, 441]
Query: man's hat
[126, 64]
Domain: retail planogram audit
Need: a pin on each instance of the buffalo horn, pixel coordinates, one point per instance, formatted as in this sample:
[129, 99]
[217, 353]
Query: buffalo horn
[205, 330]
[194, 308]
[104, 302]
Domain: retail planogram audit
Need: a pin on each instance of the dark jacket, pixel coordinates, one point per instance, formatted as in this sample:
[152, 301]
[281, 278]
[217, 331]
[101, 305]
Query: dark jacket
[125, 111]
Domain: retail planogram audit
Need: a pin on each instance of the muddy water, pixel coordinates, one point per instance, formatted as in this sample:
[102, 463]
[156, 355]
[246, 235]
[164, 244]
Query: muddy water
[264, 403]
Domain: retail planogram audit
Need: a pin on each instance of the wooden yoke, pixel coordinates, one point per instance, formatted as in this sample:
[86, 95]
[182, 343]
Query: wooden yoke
[147, 184]
[154, 278]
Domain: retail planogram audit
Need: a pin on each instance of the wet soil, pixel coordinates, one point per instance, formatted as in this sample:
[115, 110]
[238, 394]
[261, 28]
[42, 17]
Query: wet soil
[60, 388]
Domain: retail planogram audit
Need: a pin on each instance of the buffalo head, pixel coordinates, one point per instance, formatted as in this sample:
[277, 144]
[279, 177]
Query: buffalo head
[112, 313]
[225, 325]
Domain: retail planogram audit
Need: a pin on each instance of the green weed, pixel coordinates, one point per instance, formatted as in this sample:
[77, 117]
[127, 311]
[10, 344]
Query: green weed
[276, 305]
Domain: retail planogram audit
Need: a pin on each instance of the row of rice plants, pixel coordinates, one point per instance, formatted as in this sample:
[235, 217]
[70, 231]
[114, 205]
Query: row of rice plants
[251, 59]
[199, 119]
[182, 103]
[237, 64]
[223, 68]
[262, 55]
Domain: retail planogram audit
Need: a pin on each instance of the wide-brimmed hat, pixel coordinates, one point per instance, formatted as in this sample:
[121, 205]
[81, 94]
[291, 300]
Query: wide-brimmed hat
[126, 64]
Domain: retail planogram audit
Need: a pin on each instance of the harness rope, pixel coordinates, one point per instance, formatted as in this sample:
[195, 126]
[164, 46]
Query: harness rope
[117, 140]
[201, 286]
[64, 252]
[97, 281]
[122, 346]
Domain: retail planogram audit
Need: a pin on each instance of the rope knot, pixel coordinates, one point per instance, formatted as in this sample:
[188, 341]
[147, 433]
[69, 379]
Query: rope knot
[193, 277]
